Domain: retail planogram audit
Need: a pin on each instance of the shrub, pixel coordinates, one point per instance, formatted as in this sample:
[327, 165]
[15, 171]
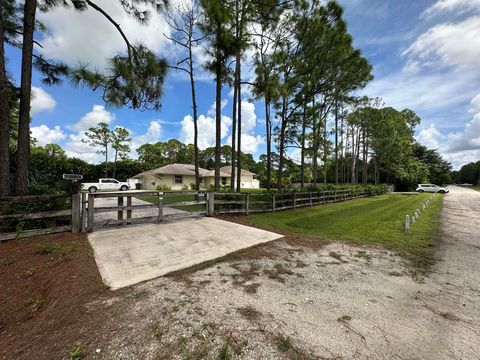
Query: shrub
[163, 187]
[185, 187]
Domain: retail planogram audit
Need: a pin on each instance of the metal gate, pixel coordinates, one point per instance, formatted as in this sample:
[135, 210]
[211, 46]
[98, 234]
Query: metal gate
[103, 209]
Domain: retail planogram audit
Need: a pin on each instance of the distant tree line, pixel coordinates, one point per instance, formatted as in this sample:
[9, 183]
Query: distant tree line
[468, 174]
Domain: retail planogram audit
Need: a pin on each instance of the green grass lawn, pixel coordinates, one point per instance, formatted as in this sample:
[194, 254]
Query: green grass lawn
[371, 221]
[173, 198]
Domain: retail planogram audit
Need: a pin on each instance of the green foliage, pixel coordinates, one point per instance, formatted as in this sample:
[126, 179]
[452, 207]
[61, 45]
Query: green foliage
[284, 343]
[469, 174]
[224, 352]
[77, 353]
[163, 187]
[134, 80]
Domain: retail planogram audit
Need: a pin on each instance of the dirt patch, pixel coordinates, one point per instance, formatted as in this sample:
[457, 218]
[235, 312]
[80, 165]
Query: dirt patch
[48, 286]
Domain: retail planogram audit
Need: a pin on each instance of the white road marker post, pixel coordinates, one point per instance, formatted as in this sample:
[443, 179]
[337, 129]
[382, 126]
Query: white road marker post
[414, 219]
[407, 224]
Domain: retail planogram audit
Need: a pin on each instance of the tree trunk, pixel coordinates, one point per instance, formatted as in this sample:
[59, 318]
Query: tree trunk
[5, 95]
[282, 147]
[365, 158]
[269, 141]
[336, 141]
[239, 134]
[106, 161]
[325, 150]
[115, 164]
[218, 123]
[195, 122]
[354, 158]
[302, 161]
[23, 147]
[234, 120]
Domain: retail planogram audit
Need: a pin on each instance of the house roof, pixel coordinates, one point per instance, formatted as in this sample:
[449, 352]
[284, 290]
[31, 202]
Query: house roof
[181, 169]
[228, 169]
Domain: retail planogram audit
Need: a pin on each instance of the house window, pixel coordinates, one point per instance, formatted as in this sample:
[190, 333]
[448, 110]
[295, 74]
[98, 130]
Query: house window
[178, 179]
[224, 181]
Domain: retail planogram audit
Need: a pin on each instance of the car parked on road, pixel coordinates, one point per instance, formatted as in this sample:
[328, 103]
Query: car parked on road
[106, 184]
[431, 188]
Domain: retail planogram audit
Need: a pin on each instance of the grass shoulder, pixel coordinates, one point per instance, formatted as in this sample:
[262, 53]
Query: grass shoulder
[371, 221]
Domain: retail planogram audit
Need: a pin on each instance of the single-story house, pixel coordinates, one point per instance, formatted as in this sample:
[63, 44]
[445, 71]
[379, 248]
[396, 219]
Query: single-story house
[179, 176]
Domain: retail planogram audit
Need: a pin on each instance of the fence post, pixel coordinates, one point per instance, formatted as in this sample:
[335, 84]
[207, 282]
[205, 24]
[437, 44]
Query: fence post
[335, 195]
[120, 211]
[323, 197]
[273, 203]
[310, 197]
[210, 203]
[294, 200]
[247, 203]
[129, 204]
[76, 213]
[84, 212]
[91, 206]
[160, 206]
[407, 223]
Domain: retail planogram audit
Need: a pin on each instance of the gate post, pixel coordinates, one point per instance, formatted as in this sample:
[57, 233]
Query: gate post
[247, 203]
[210, 203]
[76, 214]
[120, 212]
[273, 202]
[91, 206]
[84, 212]
[160, 206]
[129, 208]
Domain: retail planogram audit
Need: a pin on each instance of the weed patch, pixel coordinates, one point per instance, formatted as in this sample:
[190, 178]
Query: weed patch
[249, 312]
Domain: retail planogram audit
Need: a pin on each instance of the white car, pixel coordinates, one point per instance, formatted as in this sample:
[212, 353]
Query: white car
[431, 188]
[106, 184]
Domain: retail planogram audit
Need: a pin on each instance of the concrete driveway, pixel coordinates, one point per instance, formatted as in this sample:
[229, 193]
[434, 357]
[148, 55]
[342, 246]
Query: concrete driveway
[129, 255]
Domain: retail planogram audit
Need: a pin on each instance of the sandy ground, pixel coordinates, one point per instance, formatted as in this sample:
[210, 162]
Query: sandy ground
[291, 301]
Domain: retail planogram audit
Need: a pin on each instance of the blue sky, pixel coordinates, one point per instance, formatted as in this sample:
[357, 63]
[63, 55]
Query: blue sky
[424, 55]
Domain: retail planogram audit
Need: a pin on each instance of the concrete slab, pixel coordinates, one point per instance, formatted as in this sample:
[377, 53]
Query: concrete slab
[129, 255]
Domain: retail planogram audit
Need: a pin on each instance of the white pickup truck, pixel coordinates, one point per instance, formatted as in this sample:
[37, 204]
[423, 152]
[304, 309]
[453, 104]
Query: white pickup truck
[106, 184]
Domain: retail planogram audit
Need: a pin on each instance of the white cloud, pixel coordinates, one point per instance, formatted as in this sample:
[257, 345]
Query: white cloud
[152, 135]
[44, 135]
[88, 37]
[468, 139]
[475, 104]
[458, 147]
[93, 118]
[74, 145]
[206, 130]
[41, 101]
[250, 143]
[430, 137]
[446, 45]
[448, 6]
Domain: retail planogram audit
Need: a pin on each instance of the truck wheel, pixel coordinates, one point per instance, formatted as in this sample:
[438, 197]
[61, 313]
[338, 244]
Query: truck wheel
[421, 191]
[124, 188]
[92, 189]
[442, 191]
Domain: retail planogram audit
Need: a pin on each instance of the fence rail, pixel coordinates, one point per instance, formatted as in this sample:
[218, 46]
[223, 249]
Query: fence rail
[247, 203]
[24, 216]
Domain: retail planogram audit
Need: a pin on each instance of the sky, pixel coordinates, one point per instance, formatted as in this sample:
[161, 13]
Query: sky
[424, 55]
